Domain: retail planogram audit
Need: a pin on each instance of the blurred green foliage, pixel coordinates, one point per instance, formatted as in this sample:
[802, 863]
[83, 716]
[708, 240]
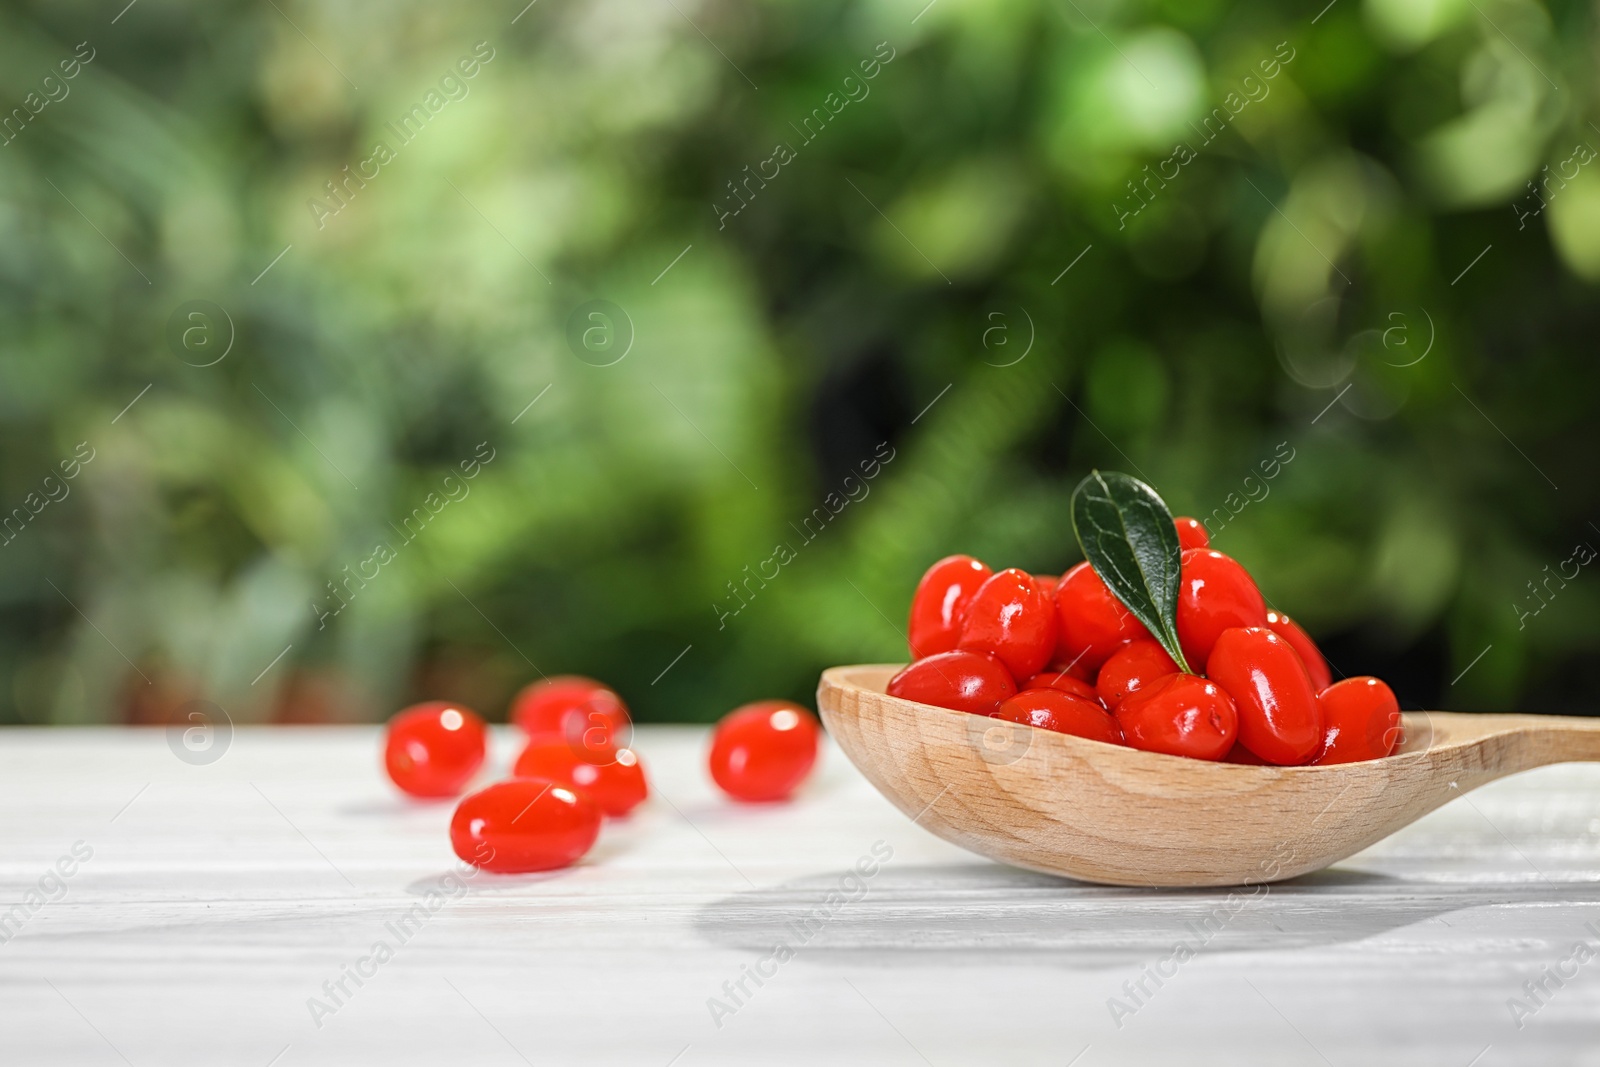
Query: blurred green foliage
[1344, 255]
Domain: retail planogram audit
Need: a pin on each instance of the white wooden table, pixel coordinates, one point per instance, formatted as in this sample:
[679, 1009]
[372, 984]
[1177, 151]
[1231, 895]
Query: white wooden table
[219, 899]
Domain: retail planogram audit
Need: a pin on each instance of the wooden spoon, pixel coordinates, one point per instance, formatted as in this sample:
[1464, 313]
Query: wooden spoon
[1104, 813]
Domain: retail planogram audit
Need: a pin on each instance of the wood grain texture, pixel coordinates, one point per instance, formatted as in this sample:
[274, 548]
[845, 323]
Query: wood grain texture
[220, 898]
[1105, 813]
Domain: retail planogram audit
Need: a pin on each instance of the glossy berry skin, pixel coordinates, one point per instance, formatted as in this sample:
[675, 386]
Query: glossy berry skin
[587, 715]
[1180, 715]
[1133, 666]
[434, 749]
[1191, 534]
[1362, 721]
[1214, 594]
[524, 824]
[614, 780]
[1053, 709]
[1300, 641]
[1091, 623]
[1011, 618]
[1047, 585]
[1079, 670]
[764, 751]
[1065, 682]
[939, 606]
[1279, 719]
[960, 681]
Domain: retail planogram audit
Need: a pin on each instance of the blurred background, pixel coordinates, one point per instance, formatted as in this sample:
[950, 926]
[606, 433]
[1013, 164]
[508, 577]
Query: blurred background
[356, 353]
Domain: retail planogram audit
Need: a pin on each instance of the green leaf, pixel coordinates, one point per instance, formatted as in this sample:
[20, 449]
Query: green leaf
[1127, 536]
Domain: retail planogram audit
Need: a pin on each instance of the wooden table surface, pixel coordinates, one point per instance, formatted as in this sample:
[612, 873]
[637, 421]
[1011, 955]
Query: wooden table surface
[207, 906]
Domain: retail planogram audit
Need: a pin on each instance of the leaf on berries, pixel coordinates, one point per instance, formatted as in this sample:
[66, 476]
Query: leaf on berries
[1127, 536]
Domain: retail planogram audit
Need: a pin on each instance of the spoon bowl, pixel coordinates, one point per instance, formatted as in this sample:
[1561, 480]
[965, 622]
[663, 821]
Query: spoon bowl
[1119, 816]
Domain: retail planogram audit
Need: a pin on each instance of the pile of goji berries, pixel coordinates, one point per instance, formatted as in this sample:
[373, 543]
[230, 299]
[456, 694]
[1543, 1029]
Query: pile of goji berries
[577, 767]
[1066, 655]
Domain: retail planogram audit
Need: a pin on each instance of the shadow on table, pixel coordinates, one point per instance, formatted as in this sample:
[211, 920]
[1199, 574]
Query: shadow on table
[947, 909]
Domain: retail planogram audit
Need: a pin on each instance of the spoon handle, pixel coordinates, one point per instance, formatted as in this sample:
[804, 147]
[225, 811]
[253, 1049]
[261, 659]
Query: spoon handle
[1513, 743]
[1562, 739]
